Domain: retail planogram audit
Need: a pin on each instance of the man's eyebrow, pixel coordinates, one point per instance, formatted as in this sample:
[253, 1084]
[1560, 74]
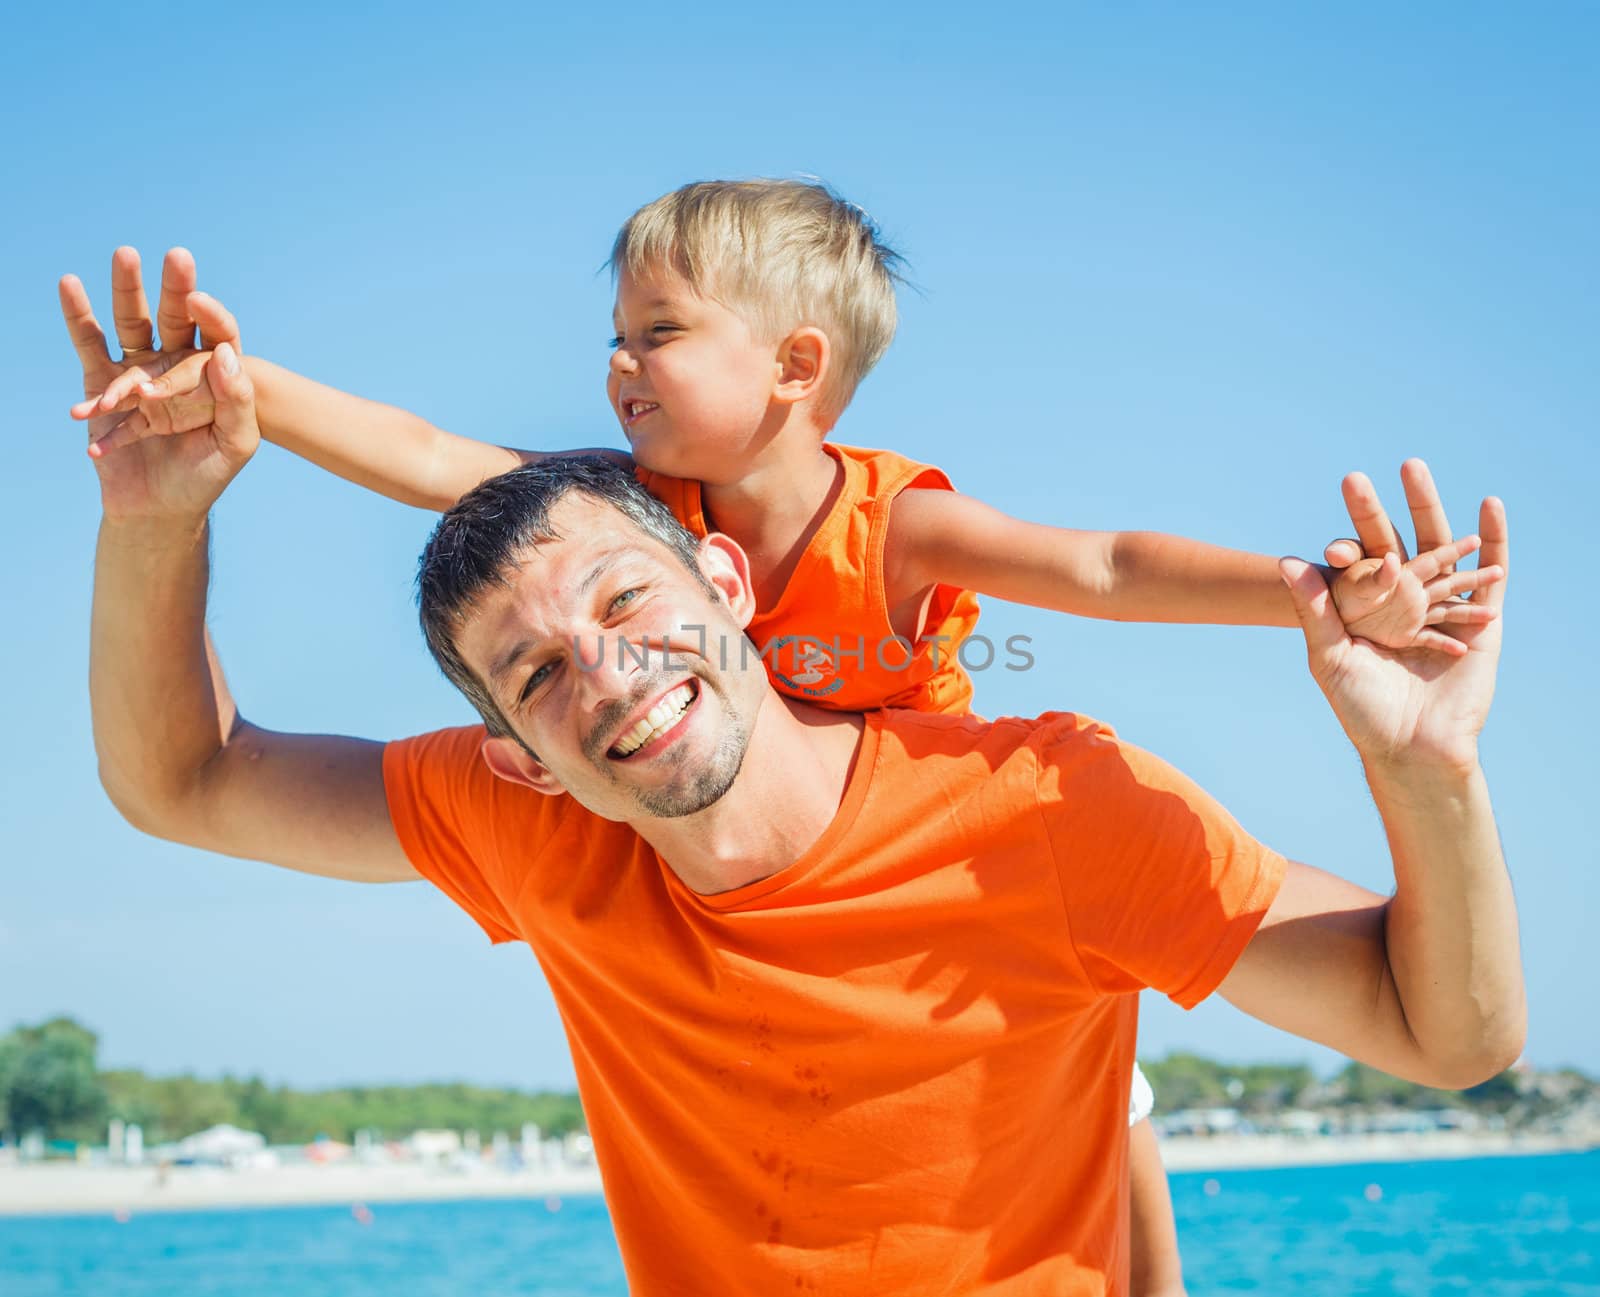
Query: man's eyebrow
[598, 569]
[601, 566]
[498, 671]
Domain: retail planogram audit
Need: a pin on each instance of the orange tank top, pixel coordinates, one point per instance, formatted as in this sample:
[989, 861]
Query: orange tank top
[828, 639]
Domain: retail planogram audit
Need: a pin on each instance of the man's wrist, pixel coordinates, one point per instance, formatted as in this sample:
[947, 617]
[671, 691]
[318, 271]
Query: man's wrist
[1425, 782]
[175, 532]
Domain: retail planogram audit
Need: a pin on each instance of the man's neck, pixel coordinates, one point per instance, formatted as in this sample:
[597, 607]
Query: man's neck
[798, 763]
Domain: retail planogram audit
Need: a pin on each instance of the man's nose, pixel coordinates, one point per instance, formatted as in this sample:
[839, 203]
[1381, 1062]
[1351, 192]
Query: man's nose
[609, 668]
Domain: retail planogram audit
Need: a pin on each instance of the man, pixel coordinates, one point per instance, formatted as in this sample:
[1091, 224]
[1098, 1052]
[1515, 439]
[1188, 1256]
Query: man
[850, 998]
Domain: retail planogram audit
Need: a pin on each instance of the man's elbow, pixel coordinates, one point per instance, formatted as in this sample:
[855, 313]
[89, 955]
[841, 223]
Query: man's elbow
[1501, 1051]
[1496, 1048]
[160, 817]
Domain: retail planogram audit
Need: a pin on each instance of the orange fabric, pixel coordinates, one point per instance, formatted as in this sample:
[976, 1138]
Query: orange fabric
[901, 1064]
[828, 639]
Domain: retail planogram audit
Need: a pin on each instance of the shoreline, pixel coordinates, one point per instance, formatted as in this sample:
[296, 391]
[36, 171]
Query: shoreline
[74, 1189]
[1198, 1153]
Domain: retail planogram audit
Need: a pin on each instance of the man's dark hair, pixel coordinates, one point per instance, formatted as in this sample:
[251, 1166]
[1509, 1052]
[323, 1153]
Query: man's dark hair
[477, 543]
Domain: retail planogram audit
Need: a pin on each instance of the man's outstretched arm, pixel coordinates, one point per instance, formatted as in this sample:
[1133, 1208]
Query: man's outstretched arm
[1426, 984]
[175, 756]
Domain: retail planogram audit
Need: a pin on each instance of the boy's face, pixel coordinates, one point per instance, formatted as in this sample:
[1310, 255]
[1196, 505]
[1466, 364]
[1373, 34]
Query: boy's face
[689, 383]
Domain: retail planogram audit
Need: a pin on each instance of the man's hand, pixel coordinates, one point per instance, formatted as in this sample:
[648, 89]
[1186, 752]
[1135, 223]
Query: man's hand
[141, 361]
[180, 475]
[1406, 709]
[123, 413]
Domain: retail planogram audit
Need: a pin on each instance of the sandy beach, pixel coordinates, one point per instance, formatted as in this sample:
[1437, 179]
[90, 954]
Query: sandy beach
[63, 1188]
[60, 1188]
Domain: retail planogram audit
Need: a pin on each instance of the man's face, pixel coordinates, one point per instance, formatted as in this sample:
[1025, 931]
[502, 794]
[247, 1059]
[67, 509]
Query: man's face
[688, 381]
[592, 654]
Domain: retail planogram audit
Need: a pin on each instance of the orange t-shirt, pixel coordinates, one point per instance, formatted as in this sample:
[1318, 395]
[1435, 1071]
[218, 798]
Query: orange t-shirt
[900, 1064]
[828, 639]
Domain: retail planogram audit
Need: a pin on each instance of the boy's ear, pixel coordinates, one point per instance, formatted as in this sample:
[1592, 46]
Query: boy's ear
[510, 761]
[727, 567]
[803, 359]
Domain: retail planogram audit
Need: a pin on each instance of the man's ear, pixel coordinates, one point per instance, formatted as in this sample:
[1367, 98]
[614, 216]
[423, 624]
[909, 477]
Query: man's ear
[727, 567]
[510, 761]
[803, 360]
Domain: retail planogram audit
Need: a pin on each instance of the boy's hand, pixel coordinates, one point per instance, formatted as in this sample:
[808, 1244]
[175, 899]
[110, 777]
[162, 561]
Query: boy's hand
[1396, 603]
[112, 388]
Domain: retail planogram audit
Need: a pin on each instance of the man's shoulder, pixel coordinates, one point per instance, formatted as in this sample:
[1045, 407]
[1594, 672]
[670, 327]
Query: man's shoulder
[452, 753]
[457, 820]
[1051, 738]
[444, 770]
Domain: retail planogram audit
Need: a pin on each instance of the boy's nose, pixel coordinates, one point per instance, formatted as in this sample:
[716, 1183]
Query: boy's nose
[623, 362]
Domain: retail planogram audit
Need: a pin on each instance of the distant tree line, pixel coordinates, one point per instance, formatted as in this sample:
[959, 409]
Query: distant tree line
[50, 1082]
[1190, 1081]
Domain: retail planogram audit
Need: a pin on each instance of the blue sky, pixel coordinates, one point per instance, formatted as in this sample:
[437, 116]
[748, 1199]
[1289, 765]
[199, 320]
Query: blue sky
[1175, 270]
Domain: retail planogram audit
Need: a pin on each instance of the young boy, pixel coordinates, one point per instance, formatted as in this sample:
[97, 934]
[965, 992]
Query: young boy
[746, 315]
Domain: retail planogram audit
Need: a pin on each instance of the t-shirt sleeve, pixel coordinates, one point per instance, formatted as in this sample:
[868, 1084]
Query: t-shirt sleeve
[1162, 886]
[441, 801]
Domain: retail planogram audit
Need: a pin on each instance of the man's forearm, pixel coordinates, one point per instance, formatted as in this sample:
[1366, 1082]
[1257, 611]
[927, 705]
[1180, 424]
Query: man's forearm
[1451, 932]
[161, 709]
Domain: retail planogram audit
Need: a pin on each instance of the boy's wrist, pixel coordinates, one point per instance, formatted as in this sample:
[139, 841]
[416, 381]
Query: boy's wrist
[262, 374]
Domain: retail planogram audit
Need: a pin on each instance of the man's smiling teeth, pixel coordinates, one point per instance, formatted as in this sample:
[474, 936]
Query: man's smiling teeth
[657, 721]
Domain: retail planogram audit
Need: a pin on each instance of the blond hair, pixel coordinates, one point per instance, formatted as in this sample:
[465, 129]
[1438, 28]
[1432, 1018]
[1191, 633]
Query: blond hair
[783, 254]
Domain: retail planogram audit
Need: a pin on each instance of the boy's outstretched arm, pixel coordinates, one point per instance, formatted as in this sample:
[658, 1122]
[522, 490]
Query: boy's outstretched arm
[941, 537]
[380, 447]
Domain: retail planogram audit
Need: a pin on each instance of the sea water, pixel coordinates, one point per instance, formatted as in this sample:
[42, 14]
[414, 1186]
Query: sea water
[1498, 1227]
[1493, 1227]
